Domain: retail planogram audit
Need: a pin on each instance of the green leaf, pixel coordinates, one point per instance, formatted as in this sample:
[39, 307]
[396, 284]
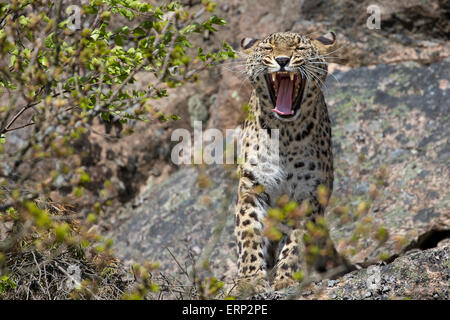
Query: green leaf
[158, 13]
[12, 60]
[147, 25]
[139, 32]
[44, 61]
[118, 40]
[189, 29]
[49, 42]
[106, 116]
[216, 20]
[24, 21]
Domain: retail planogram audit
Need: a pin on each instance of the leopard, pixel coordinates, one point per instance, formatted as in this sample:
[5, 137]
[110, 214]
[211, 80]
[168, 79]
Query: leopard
[287, 72]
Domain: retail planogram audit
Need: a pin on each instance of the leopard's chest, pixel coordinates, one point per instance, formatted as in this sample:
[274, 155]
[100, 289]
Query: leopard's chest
[291, 161]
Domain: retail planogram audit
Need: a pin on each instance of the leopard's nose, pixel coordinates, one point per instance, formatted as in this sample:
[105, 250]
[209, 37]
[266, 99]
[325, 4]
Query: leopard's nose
[282, 61]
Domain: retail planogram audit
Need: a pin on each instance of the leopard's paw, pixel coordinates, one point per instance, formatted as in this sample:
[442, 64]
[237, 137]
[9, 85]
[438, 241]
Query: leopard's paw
[249, 286]
[283, 283]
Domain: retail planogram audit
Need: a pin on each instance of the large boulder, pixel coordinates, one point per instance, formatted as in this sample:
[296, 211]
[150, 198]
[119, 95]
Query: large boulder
[416, 275]
[173, 222]
[390, 131]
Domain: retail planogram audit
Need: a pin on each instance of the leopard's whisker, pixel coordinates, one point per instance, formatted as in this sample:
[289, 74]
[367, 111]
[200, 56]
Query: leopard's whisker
[303, 72]
[325, 72]
[322, 71]
[319, 81]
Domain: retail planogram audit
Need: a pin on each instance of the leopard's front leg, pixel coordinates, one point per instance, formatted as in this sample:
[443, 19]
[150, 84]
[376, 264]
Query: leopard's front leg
[250, 211]
[291, 259]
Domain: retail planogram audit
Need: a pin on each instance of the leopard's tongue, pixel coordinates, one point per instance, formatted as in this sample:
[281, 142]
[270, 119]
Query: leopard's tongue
[284, 97]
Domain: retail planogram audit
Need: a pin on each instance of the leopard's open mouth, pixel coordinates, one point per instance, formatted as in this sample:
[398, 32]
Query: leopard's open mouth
[286, 92]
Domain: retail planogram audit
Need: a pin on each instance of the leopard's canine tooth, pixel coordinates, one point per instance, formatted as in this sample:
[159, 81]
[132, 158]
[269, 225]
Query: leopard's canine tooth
[291, 74]
[273, 76]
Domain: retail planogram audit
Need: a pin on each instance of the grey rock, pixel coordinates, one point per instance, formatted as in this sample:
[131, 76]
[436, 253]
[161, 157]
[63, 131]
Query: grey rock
[416, 276]
[398, 155]
[362, 188]
[332, 283]
[197, 109]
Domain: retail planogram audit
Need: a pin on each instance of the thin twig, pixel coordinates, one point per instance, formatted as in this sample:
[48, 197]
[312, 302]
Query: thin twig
[18, 114]
[19, 127]
[179, 265]
[46, 283]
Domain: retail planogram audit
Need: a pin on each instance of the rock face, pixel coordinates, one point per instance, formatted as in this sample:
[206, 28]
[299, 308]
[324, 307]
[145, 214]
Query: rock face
[390, 136]
[390, 133]
[419, 275]
[178, 217]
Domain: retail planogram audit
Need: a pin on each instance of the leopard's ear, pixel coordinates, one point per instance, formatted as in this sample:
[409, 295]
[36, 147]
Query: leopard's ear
[326, 43]
[248, 43]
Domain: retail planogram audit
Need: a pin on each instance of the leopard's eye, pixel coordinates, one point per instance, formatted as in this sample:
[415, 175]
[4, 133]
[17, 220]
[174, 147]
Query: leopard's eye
[267, 47]
[299, 48]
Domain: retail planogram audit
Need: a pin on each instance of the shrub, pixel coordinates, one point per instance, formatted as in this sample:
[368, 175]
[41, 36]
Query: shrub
[62, 69]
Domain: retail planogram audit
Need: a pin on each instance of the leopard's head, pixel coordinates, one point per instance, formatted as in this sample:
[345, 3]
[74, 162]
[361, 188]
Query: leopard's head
[286, 65]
